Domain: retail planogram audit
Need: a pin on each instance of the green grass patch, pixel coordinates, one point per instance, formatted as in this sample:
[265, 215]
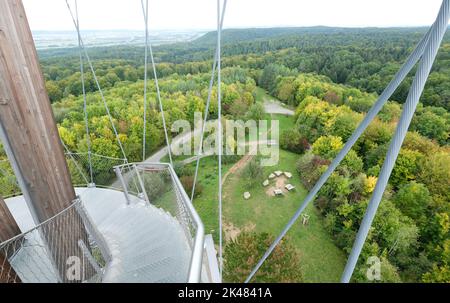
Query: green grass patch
[206, 203]
[261, 95]
[321, 260]
[286, 122]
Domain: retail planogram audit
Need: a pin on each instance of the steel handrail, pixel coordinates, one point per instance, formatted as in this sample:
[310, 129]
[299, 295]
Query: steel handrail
[195, 266]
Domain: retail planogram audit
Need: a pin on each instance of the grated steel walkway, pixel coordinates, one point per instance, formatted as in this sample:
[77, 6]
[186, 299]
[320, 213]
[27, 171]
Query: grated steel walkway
[146, 243]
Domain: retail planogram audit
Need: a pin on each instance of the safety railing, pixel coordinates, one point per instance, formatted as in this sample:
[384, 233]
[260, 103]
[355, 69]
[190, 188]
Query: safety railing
[102, 175]
[65, 248]
[130, 182]
[158, 184]
[89, 168]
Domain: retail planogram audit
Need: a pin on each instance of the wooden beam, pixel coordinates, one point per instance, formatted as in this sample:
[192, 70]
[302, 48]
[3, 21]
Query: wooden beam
[8, 230]
[27, 116]
[32, 142]
[8, 226]
[7, 273]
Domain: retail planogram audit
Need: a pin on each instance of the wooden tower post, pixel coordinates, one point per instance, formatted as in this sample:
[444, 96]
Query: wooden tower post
[8, 230]
[30, 134]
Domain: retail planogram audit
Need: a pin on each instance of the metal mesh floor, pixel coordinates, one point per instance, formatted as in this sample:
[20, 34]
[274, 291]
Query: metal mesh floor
[147, 244]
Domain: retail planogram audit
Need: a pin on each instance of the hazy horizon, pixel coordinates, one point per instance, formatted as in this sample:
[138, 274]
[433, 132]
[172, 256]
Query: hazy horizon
[200, 15]
[231, 28]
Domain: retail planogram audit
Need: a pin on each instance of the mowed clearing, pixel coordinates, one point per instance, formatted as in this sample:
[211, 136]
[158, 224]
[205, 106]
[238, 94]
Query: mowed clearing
[322, 261]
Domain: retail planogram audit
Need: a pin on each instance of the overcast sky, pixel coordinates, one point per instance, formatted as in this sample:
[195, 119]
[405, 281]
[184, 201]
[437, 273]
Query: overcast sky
[201, 14]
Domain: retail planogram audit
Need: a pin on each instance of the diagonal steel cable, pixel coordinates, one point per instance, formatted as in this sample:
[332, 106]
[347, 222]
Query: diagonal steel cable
[387, 93]
[83, 87]
[96, 81]
[158, 92]
[208, 103]
[80, 171]
[145, 11]
[409, 109]
[220, 137]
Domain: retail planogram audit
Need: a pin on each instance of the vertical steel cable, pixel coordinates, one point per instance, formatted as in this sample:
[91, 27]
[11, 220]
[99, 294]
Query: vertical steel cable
[219, 129]
[68, 153]
[161, 107]
[145, 11]
[208, 103]
[83, 86]
[97, 83]
[412, 100]
[387, 93]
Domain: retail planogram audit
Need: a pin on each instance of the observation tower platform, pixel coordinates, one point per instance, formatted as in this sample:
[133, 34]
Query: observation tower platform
[131, 239]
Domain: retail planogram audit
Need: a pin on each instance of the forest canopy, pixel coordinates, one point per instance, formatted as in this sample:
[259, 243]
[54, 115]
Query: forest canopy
[330, 77]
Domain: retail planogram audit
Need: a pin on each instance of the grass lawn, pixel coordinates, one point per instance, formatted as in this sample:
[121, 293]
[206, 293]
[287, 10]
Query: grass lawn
[175, 159]
[286, 122]
[322, 260]
[206, 203]
[261, 95]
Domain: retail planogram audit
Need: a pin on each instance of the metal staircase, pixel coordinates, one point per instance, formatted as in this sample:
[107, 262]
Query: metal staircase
[146, 244]
[130, 240]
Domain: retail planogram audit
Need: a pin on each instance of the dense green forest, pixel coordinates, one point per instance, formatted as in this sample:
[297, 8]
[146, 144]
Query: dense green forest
[363, 58]
[411, 228]
[331, 77]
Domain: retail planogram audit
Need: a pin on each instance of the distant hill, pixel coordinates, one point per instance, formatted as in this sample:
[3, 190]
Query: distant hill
[252, 34]
[100, 38]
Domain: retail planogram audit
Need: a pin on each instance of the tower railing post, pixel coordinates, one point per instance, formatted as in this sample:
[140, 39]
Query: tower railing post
[141, 184]
[124, 185]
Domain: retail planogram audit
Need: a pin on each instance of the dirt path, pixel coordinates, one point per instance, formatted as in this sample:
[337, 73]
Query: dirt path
[231, 232]
[276, 107]
[236, 167]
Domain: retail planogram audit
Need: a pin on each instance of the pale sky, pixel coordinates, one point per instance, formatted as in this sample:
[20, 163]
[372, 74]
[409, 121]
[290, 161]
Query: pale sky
[201, 14]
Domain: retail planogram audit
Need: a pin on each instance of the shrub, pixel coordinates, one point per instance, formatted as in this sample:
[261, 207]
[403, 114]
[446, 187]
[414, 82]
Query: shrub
[77, 172]
[389, 272]
[333, 98]
[230, 159]
[360, 105]
[390, 112]
[413, 199]
[353, 162]
[291, 140]
[255, 112]
[188, 183]
[431, 125]
[327, 146]
[406, 167]
[155, 186]
[183, 170]
[310, 167]
[435, 174]
[241, 255]
[253, 172]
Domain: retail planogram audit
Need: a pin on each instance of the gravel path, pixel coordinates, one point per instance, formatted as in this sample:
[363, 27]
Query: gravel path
[274, 107]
